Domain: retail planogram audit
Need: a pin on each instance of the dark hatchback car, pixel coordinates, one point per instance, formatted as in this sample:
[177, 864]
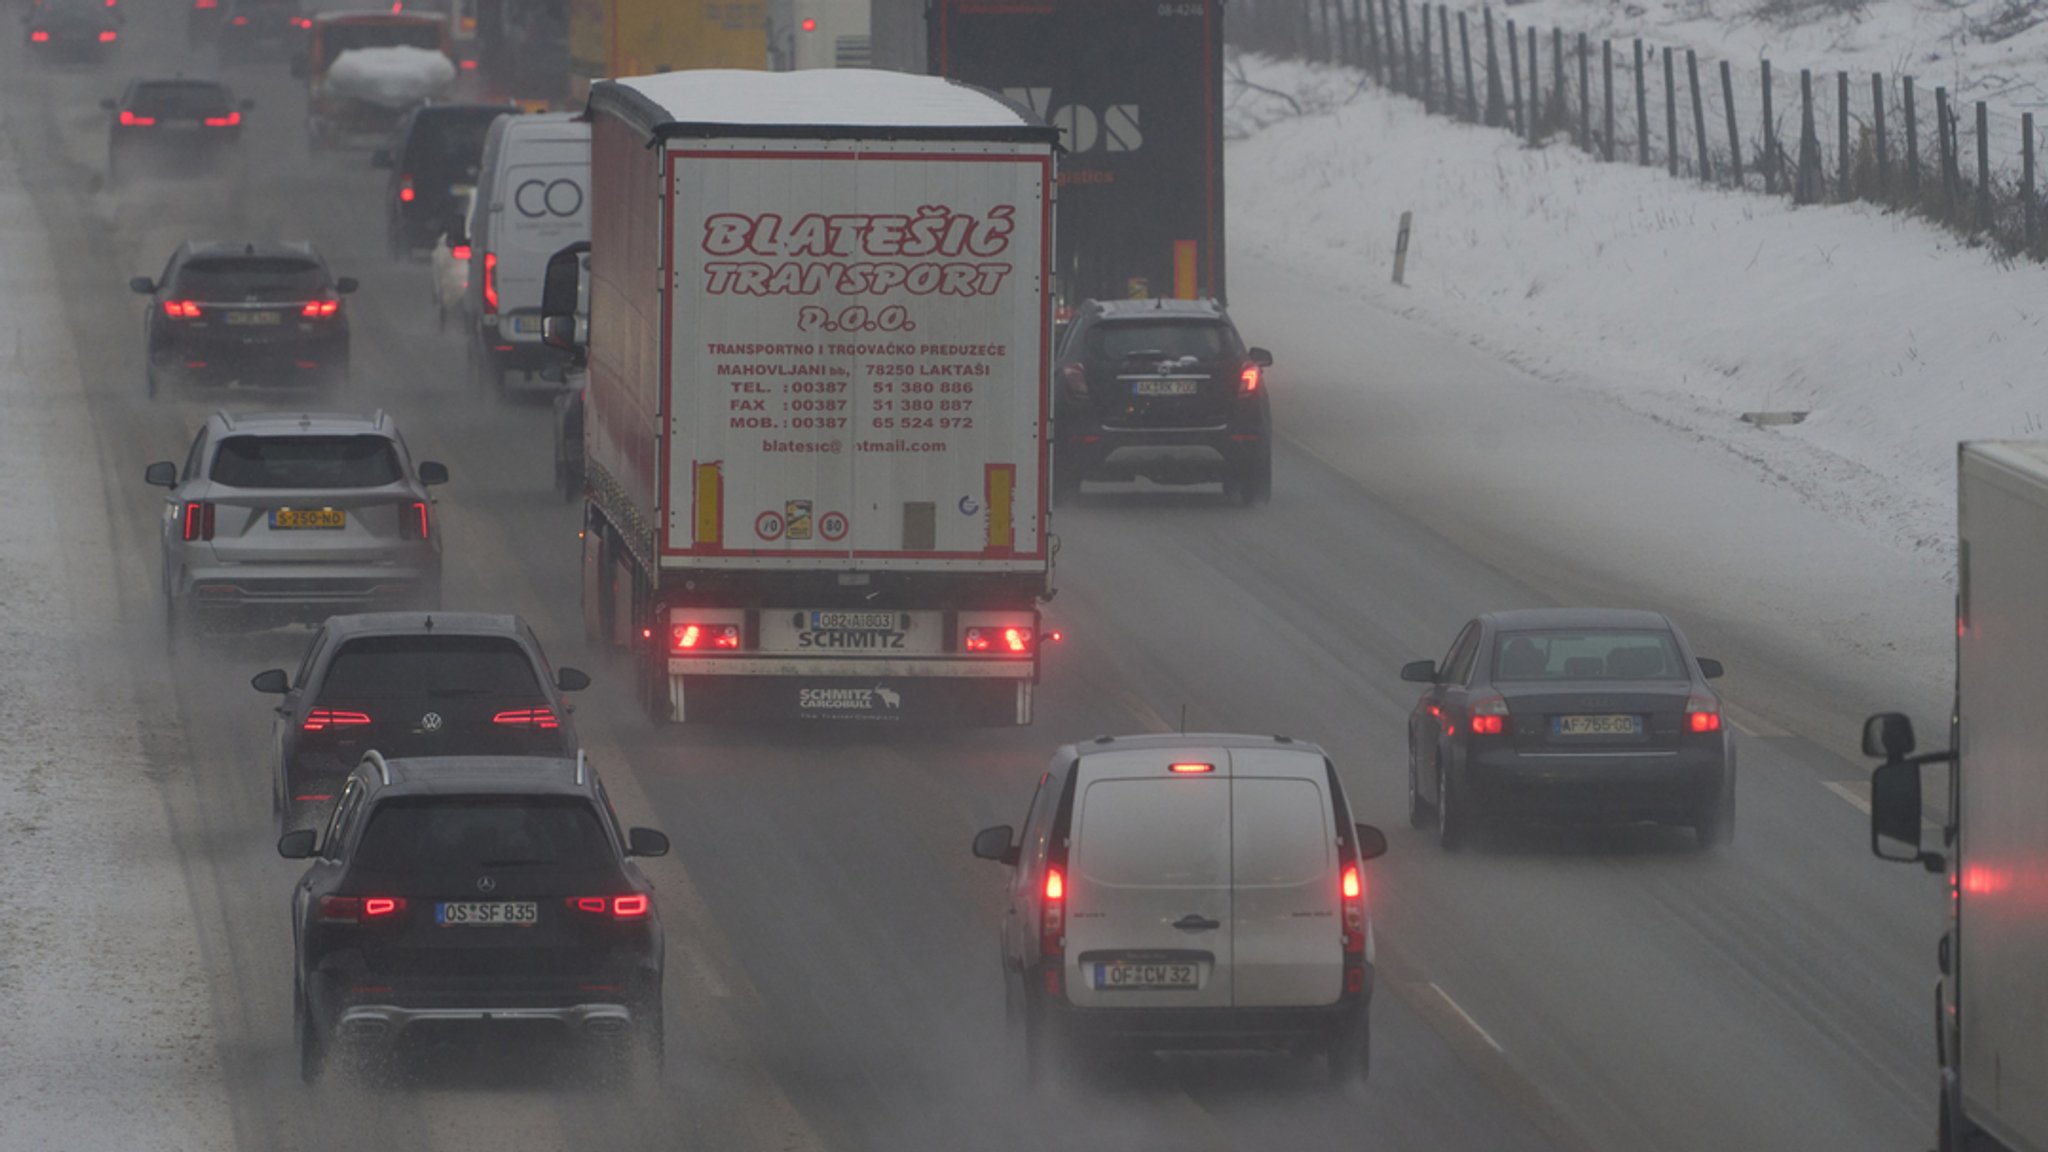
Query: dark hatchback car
[253, 314]
[1569, 715]
[412, 684]
[172, 126]
[435, 153]
[1164, 390]
[273, 30]
[474, 892]
[72, 29]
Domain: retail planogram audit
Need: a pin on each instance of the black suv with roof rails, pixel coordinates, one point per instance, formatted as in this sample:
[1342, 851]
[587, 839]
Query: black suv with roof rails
[435, 152]
[1164, 390]
[455, 892]
[255, 313]
[411, 684]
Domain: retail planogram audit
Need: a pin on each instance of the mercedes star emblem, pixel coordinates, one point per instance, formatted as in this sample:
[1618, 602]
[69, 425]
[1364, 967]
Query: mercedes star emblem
[431, 722]
[486, 884]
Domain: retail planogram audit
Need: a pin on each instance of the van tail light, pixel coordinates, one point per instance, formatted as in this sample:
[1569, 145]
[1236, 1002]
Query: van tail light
[1075, 376]
[108, 35]
[231, 120]
[322, 719]
[689, 637]
[198, 520]
[1702, 715]
[405, 192]
[412, 520]
[490, 281]
[1052, 929]
[527, 718]
[131, 120]
[459, 251]
[360, 909]
[178, 309]
[1249, 379]
[1489, 716]
[1351, 901]
[632, 906]
[316, 308]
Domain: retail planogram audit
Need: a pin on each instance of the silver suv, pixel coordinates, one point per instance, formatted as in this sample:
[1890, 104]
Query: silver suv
[280, 518]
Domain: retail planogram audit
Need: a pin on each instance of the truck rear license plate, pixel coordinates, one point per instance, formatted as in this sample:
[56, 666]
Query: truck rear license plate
[487, 914]
[853, 621]
[1597, 725]
[1120, 974]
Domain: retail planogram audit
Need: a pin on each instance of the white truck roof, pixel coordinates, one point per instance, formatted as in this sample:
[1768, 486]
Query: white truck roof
[830, 98]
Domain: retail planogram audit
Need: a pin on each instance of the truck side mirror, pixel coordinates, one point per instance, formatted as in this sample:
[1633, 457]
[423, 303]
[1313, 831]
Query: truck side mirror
[1895, 811]
[1888, 735]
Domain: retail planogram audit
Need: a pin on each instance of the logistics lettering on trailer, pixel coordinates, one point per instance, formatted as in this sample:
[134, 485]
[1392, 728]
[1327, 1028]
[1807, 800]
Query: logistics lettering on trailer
[822, 252]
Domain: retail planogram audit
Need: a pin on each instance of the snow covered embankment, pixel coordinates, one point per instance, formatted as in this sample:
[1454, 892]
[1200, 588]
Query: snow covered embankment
[1690, 305]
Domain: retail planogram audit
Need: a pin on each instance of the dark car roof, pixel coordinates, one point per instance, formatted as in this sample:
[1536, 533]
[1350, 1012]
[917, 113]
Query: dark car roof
[302, 249]
[427, 623]
[485, 776]
[1519, 618]
[1168, 740]
[1177, 309]
[437, 111]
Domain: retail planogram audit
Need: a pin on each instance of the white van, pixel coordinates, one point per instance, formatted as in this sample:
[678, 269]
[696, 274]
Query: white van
[1185, 891]
[532, 200]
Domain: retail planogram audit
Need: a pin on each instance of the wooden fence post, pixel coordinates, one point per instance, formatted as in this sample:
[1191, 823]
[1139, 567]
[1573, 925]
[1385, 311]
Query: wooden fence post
[1428, 86]
[1809, 148]
[1670, 115]
[1533, 110]
[1560, 93]
[1642, 111]
[1465, 50]
[1734, 140]
[1912, 142]
[2027, 178]
[1374, 54]
[1585, 100]
[1360, 36]
[1407, 53]
[1607, 100]
[1945, 137]
[1845, 162]
[1884, 150]
[1699, 116]
[1496, 107]
[1770, 137]
[1984, 222]
[1443, 27]
[1515, 79]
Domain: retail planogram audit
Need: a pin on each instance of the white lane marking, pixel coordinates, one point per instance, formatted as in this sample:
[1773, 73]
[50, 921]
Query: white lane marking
[1850, 793]
[1467, 1017]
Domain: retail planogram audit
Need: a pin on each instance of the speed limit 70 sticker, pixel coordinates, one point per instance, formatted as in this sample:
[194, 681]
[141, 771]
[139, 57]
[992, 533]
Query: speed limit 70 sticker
[768, 525]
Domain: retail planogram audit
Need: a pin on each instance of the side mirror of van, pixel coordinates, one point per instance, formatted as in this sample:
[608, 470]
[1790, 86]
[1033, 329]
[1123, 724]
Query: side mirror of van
[994, 844]
[1372, 843]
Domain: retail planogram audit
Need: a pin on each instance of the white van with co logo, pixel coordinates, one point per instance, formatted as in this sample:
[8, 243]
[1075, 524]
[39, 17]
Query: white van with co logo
[532, 200]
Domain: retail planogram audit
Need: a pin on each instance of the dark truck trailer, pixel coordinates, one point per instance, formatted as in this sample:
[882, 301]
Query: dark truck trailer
[1136, 89]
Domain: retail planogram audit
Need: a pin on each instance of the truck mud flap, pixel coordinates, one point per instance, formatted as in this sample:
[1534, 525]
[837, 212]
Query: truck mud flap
[927, 702]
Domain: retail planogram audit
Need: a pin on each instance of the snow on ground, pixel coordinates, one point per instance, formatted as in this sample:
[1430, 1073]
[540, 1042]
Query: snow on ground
[1689, 305]
[106, 1028]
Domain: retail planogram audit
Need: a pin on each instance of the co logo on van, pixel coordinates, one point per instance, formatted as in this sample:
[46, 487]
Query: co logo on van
[535, 198]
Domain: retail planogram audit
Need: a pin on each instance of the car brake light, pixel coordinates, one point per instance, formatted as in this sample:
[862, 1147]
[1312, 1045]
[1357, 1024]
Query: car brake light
[206, 4]
[131, 120]
[355, 909]
[231, 120]
[1075, 376]
[1353, 891]
[375, 906]
[468, 65]
[490, 281]
[632, 906]
[314, 308]
[412, 520]
[810, 25]
[1191, 769]
[240, 21]
[180, 309]
[527, 718]
[321, 719]
[459, 251]
[1489, 716]
[1052, 928]
[405, 192]
[108, 35]
[1248, 380]
[198, 520]
[39, 37]
[688, 637]
[1702, 715]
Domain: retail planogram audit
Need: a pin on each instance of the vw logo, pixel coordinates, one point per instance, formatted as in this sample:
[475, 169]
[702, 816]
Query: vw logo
[548, 198]
[486, 884]
[431, 722]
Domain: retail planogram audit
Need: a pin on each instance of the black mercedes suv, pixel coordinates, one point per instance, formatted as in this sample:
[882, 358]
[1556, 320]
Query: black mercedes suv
[260, 314]
[1164, 390]
[463, 892]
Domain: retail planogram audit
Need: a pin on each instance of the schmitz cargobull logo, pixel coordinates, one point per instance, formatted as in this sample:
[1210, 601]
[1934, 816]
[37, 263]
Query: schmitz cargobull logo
[848, 699]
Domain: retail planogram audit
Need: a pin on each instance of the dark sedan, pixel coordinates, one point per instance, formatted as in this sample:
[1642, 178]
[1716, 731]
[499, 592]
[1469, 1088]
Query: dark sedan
[1569, 715]
[73, 29]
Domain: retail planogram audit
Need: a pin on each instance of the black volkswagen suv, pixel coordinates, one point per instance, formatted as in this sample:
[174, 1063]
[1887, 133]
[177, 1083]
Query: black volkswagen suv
[1164, 390]
[411, 684]
[472, 891]
[263, 314]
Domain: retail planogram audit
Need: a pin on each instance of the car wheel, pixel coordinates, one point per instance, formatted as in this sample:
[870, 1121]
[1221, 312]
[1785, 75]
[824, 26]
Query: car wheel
[1350, 1055]
[1255, 482]
[1043, 1048]
[177, 620]
[1421, 814]
[1451, 818]
[312, 1049]
[1066, 482]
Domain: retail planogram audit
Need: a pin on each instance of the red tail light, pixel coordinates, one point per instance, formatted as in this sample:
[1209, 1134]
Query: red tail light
[1489, 716]
[131, 120]
[321, 719]
[810, 25]
[231, 120]
[1354, 913]
[205, 4]
[490, 281]
[108, 35]
[1702, 715]
[975, 641]
[301, 22]
[527, 718]
[39, 37]
[633, 906]
[412, 520]
[1075, 377]
[198, 520]
[1248, 380]
[1191, 769]
[469, 65]
[405, 192]
[460, 251]
[316, 308]
[703, 637]
[240, 21]
[356, 909]
[180, 309]
[1011, 640]
[1052, 930]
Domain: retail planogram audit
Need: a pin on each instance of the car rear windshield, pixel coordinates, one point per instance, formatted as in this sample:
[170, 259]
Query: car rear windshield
[1161, 340]
[362, 461]
[452, 139]
[175, 100]
[468, 835]
[338, 38]
[425, 667]
[1587, 654]
[235, 278]
[1155, 833]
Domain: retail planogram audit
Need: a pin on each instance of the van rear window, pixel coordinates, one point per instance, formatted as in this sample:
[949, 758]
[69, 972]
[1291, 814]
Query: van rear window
[1154, 833]
[1280, 834]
